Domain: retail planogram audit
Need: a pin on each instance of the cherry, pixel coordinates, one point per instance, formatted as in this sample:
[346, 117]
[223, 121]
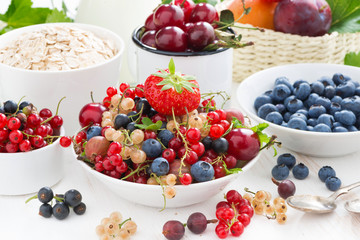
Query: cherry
[200, 35]
[203, 12]
[149, 23]
[187, 6]
[168, 15]
[244, 143]
[171, 38]
[91, 113]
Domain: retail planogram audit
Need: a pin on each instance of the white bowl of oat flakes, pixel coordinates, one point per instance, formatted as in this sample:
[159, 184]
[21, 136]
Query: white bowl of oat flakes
[46, 62]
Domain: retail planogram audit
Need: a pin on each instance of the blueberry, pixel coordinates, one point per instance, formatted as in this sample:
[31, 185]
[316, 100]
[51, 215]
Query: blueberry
[2, 110]
[321, 127]
[45, 210]
[265, 109]
[72, 197]
[165, 136]
[268, 93]
[152, 148]
[356, 84]
[287, 116]
[329, 92]
[287, 159]
[327, 81]
[288, 99]
[280, 172]
[298, 115]
[284, 124]
[310, 128]
[340, 129]
[298, 82]
[261, 100]
[80, 209]
[280, 92]
[352, 128]
[93, 131]
[312, 122]
[207, 141]
[303, 111]
[333, 183]
[220, 145]
[274, 117]
[323, 101]
[160, 166]
[284, 80]
[334, 107]
[326, 119]
[10, 106]
[294, 105]
[336, 99]
[121, 121]
[326, 172]
[316, 110]
[297, 123]
[352, 104]
[131, 127]
[133, 116]
[302, 91]
[346, 89]
[45, 194]
[311, 99]
[24, 104]
[317, 87]
[143, 105]
[280, 108]
[357, 91]
[202, 171]
[300, 171]
[60, 210]
[345, 117]
[338, 78]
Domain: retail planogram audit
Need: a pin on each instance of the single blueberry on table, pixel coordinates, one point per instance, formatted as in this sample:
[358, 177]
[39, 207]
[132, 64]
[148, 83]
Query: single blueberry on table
[302, 91]
[287, 159]
[261, 100]
[202, 171]
[274, 117]
[300, 171]
[333, 183]
[325, 172]
[160, 166]
[265, 109]
[280, 172]
[297, 123]
[280, 92]
[321, 127]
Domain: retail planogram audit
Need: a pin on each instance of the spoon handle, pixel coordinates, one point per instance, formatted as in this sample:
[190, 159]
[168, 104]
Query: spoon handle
[344, 190]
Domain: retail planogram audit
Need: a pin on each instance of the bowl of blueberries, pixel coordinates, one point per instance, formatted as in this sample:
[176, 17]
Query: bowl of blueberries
[312, 108]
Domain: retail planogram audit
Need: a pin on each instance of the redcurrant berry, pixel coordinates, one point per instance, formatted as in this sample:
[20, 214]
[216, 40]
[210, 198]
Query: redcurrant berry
[111, 91]
[65, 141]
[13, 123]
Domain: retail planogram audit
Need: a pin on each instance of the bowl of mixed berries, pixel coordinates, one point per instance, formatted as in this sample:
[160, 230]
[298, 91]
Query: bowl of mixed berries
[30, 153]
[161, 141]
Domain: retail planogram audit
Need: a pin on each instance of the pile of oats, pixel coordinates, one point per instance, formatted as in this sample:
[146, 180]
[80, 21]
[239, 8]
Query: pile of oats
[56, 48]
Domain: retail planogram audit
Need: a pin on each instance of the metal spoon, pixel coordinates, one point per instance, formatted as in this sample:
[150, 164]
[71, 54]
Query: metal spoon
[353, 206]
[318, 204]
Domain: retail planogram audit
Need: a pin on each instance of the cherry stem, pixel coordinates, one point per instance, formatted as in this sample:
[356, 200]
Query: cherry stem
[92, 97]
[31, 198]
[275, 181]
[56, 113]
[121, 224]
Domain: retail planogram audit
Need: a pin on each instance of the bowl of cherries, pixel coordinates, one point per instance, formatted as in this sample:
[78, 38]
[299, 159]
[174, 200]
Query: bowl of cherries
[189, 33]
[161, 142]
[30, 152]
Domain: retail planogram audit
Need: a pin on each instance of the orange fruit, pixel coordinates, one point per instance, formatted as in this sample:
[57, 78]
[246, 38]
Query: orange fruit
[261, 13]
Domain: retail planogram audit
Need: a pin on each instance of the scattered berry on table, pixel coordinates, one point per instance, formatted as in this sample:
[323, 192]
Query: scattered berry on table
[333, 183]
[300, 171]
[280, 172]
[325, 172]
[287, 159]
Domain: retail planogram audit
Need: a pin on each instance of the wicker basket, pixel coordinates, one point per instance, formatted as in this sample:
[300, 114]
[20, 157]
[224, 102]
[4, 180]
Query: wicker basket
[275, 48]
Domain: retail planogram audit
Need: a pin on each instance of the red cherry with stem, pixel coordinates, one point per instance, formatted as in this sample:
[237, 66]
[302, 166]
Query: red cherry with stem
[200, 35]
[4, 134]
[11, 147]
[56, 121]
[15, 136]
[3, 120]
[198, 148]
[13, 123]
[188, 26]
[45, 113]
[237, 229]
[25, 145]
[65, 141]
[168, 15]
[124, 86]
[244, 219]
[149, 23]
[216, 131]
[172, 39]
[186, 179]
[244, 143]
[148, 38]
[222, 230]
[203, 12]
[91, 113]
[169, 154]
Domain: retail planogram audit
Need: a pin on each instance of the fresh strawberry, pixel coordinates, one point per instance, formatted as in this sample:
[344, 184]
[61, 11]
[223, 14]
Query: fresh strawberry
[169, 91]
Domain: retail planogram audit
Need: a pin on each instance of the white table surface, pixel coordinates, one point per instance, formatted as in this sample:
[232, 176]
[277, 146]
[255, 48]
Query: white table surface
[20, 221]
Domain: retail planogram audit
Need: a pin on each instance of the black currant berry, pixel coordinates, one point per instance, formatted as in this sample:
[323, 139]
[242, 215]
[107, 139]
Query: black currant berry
[45, 195]
[144, 105]
[45, 210]
[60, 210]
[72, 198]
[80, 209]
[207, 141]
[10, 106]
[133, 116]
[23, 104]
[220, 145]
[121, 120]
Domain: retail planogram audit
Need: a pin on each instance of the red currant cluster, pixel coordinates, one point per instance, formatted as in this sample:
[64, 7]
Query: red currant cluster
[23, 128]
[234, 215]
[177, 27]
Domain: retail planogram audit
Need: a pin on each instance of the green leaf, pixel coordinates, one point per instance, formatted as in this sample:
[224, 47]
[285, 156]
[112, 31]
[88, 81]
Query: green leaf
[352, 59]
[232, 170]
[166, 87]
[345, 15]
[147, 121]
[151, 126]
[226, 16]
[57, 16]
[212, 2]
[178, 88]
[166, 1]
[172, 66]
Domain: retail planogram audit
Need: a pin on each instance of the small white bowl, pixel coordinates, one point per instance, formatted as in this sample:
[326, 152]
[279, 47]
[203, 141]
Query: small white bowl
[151, 195]
[26, 172]
[316, 144]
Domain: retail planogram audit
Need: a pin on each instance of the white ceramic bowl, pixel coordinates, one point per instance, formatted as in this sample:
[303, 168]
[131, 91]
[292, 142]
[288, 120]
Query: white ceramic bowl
[316, 144]
[26, 172]
[151, 195]
[46, 88]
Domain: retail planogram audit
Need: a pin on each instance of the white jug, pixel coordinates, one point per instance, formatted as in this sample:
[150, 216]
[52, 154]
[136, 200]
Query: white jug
[120, 16]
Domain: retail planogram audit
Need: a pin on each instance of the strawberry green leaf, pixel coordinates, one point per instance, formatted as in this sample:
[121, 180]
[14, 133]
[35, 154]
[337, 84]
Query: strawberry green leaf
[172, 66]
[166, 87]
[178, 88]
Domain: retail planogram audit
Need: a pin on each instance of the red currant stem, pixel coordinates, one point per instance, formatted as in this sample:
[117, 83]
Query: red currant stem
[58, 105]
[59, 199]
[162, 145]
[138, 169]
[139, 89]
[127, 140]
[158, 180]
[248, 191]
[229, 129]
[275, 182]
[123, 222]
[218, 159]
[18, 105]
[212, 221]
[56, 113]
[31, 198]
